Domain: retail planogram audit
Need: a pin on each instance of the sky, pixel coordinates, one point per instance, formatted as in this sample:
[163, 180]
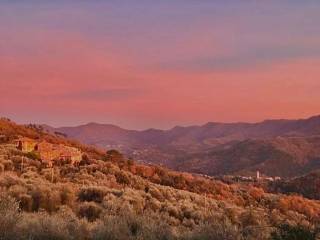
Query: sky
[146, 63]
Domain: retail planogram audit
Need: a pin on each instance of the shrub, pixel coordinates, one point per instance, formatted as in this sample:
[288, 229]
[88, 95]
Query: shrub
[85, 158]
[25, 202]
[287, 232]
[113, 152]
[89, 210]
[60, 226]
[33, 155]
[45, 198]
[256, 193]
[215, 230]
[122, 178]
[128, 225]
[112, 155]
[94, 194]
[9, 217]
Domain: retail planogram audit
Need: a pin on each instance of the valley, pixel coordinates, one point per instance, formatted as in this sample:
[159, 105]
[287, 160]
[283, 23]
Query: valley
[284, 148]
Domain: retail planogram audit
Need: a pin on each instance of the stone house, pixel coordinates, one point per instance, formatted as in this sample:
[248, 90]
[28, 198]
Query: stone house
[50, 153]
[25, 144]
[59, 154]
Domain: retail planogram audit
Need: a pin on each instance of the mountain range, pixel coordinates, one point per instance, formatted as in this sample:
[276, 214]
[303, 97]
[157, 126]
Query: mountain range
[283, 147]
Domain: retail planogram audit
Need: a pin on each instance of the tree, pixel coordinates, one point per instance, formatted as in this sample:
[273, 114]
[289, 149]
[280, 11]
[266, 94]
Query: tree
[113, 155]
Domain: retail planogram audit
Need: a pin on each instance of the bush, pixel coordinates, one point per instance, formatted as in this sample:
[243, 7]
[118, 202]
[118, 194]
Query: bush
[25, 202]
[90, 211]
[287, 232]
[112, 155]
[45, 198]
[9, 217]
[215, 230]
[33, 155]
[84, 160]
[94, 194]
[67, 195]
[122, 178]
[61, 226]
[128, 225]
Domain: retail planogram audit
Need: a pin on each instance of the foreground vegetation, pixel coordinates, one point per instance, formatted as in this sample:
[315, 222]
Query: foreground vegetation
[107, 196]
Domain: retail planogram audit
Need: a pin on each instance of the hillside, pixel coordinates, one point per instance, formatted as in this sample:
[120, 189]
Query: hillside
[282, 156]
[106, 196]
[307, 185]
[288, 146]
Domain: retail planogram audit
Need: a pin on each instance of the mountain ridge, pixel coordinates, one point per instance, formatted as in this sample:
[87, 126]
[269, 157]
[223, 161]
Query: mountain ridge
[202, 148]
[313, 117]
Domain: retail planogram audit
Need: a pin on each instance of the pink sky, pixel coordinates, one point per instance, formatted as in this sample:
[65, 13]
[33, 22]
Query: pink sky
[176, 64]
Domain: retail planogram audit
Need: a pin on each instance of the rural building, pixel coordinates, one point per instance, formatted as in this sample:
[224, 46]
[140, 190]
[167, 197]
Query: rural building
[50, 153]
[58, 153]
[25, 144]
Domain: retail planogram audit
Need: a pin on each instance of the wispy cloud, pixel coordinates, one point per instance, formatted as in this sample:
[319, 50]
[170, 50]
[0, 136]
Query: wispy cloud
[243, 59]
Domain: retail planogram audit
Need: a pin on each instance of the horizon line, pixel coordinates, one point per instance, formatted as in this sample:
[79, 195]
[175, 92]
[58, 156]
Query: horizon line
[176, 126]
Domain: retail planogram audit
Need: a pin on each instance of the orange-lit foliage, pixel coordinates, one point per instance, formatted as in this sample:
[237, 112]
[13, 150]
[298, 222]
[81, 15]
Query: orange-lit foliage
[256, 193]
[301, 205]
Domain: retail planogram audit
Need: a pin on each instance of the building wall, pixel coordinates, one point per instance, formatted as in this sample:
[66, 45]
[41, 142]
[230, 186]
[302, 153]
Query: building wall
[26, 145]
[50, 152]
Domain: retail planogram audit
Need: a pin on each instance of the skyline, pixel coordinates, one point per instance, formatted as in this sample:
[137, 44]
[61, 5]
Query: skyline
[163, 129]
[141, 64]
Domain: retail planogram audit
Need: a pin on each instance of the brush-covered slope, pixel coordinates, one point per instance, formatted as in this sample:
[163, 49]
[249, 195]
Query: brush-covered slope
[107, 196]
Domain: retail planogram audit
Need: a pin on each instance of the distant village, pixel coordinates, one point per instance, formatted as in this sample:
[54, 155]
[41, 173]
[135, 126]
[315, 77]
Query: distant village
[240, 178]
[49, 153]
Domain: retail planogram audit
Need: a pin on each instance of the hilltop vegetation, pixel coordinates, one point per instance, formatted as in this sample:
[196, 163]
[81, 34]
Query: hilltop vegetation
[107, 196]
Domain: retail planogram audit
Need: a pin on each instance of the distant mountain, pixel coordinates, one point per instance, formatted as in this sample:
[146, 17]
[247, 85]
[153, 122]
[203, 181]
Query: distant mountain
[282, 147]
[280, 156]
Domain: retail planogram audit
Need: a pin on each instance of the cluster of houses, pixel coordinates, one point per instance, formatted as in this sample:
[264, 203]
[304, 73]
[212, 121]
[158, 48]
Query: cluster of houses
[241, 178]
[49, 153]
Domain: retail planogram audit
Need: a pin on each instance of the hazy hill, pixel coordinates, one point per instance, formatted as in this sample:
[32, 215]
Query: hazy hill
[275, 147]
[281, 156]
[208, 134]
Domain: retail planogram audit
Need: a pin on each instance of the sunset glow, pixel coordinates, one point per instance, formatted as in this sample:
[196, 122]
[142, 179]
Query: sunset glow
[141, 64]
